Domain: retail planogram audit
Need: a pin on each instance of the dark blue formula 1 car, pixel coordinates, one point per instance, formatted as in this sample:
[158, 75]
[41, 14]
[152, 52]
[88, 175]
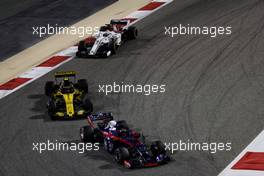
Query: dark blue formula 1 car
[123, 142]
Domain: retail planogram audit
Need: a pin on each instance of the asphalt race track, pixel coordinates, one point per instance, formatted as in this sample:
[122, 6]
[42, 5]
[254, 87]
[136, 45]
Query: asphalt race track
[214, 93]
[18, 17]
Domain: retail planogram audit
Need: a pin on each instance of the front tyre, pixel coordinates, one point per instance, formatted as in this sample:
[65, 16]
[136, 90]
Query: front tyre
[113, 48]
[159, 152]
[157, 148]
[105, 50]
[52, 109]
[87, 134]
[106, 54]
[49, 88]
[81, 46]
[121, 154]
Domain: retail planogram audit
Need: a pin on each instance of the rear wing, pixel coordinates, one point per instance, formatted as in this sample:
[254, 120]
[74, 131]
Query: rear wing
[101, 116]
[119, 22]
[65, 74]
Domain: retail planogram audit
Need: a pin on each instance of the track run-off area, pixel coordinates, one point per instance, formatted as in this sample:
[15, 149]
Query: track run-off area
[214, 93]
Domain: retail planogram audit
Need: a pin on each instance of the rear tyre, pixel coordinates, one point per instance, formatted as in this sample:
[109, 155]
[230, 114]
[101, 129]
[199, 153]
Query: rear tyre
[87, 134]
[157, 148]
[52, 109]
[132, 32]
[82, 85]
[121, 154]
[122, 124]
[49, 88]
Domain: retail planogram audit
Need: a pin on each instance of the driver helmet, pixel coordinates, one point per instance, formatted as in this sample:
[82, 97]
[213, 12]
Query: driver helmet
[112, 125]
[110, 27]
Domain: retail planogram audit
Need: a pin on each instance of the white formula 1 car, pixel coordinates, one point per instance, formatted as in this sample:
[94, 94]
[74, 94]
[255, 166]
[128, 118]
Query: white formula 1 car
[106, 41]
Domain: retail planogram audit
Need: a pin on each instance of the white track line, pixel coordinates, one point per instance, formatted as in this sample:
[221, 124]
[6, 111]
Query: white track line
[257, 145]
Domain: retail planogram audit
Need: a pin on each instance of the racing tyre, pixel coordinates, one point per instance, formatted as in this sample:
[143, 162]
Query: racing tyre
[157, 148]
[81, 46]
[132, 32]
[49, 88]
[88, 105]
[105, 50]
[113, 48]
[121, 154]
[87, 134]
[106, 53]
[78, 54]
[82, 85]
[122, 124]
[51, 109]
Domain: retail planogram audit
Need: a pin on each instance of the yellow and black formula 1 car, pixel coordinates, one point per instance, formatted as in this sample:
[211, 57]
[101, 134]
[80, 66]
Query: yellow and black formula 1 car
[67, 98]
